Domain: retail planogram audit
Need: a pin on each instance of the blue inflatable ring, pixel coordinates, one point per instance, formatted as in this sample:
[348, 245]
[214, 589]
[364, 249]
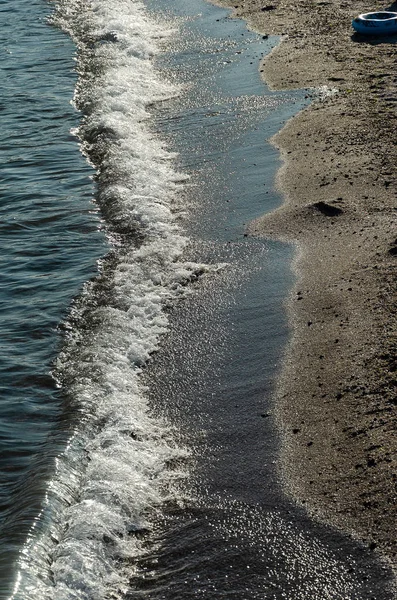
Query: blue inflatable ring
[377, 23]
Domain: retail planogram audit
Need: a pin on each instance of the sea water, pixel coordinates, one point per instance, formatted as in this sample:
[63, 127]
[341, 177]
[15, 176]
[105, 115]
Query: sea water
[136, 456]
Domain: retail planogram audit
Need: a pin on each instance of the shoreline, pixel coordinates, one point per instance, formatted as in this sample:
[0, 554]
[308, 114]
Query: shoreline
[337, 393]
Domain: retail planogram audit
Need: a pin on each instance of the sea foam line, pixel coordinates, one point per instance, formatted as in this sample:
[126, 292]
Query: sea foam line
[114, 470]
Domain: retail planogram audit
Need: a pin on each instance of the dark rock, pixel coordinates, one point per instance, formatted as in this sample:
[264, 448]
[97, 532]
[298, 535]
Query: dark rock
[327, 209]
[372, 546]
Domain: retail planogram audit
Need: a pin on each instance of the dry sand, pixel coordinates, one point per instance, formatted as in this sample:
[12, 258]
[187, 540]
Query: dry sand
[337, 397]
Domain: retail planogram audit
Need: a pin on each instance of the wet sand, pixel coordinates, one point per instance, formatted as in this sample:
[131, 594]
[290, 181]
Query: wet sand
[337, 395]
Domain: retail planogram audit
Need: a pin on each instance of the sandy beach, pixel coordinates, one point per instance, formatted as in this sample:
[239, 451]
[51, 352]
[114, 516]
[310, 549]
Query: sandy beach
[337, 394]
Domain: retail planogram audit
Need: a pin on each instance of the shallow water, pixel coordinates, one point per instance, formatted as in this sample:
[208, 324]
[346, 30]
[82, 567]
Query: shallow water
[236, 535]
[140, 343]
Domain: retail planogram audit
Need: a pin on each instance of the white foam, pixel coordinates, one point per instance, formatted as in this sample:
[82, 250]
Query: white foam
[323, 92]
[114, 471]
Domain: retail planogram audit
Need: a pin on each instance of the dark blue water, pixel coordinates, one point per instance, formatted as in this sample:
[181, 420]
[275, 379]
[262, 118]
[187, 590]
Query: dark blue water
[141, 330]
[49, 241]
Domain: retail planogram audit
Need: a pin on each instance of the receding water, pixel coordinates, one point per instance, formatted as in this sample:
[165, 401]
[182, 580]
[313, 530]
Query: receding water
[235, 534]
